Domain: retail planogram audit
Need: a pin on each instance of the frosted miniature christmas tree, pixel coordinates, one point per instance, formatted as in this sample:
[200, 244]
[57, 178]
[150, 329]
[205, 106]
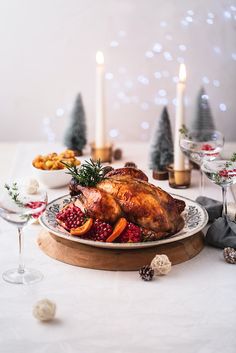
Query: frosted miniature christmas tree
[75, 136]
[161, 151]
[203, 119]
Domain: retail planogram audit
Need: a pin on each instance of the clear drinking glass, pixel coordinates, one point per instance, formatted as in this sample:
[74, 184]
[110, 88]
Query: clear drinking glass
[199, 146]
[222, 173]
[20, 208]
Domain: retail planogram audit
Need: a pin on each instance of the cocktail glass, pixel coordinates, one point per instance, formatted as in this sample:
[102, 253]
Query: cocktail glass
[20, 209]
[201, 146]
[222, 173]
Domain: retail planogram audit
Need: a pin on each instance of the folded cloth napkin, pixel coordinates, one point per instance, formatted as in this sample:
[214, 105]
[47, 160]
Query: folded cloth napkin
[222, 233]
[213, 207]
[231, 211]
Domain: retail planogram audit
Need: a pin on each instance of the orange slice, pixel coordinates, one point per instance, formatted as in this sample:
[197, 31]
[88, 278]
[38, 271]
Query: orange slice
[82, 229]
[118, 229]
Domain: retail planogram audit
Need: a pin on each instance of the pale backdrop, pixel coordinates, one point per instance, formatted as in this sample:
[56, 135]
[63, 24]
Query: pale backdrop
[47, 56]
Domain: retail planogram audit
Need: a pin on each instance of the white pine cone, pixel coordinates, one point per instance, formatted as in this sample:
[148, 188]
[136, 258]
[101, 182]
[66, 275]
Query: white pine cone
[161, 265]
[32, 186]
[44, 310]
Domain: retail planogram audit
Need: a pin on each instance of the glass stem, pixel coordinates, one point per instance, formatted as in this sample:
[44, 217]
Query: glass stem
[201, 182]
[21, 265]
[224, 194]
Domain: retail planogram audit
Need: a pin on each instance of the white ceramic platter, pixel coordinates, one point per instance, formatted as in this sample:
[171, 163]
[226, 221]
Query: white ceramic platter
[195, 217]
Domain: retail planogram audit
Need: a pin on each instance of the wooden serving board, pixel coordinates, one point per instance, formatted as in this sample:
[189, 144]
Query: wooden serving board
[77, 254]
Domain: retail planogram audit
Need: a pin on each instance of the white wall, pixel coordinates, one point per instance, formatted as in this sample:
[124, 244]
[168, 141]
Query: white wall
[47, 55]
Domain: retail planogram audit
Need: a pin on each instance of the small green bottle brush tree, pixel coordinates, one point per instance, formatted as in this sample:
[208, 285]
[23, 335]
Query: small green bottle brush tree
[161, 150]
[203, 119]
[76, 134]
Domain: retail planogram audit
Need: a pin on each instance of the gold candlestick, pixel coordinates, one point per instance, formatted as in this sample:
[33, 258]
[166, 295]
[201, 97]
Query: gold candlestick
[179, 179]
[104, 154]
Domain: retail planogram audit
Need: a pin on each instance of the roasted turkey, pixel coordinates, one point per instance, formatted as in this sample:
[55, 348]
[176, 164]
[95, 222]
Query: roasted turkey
[126, 192]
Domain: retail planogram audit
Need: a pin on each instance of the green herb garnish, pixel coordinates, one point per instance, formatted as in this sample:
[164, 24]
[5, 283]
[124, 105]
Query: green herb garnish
[14, 193]
[233, 158]
[183, 130]
[90, 173]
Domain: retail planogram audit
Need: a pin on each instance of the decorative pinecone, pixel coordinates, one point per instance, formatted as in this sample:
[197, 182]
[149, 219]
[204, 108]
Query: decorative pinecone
[107, 169]
[130, 165]
[230, 255]
[146, 273]
[117, 154]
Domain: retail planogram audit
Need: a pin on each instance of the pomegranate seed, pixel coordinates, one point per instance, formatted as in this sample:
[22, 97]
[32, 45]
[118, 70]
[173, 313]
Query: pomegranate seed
[100, 231]
[71, 217]
[131, 234]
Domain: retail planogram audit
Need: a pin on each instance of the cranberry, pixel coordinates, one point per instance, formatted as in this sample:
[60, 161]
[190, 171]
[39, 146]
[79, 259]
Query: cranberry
[223, 173]
[207, 147]
[34, 205]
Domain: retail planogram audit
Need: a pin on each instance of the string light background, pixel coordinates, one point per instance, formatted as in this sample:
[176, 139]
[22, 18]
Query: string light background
[48, 56]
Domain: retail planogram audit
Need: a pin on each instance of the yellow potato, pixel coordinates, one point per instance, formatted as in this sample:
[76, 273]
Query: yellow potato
[52, 161]
[49, 164]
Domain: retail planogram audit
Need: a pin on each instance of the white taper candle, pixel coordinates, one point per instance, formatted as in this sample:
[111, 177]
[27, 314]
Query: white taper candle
[100, 126]
[179, 160]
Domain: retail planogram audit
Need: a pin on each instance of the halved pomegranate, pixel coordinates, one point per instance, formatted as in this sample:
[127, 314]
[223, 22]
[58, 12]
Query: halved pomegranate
[70, 217]
[100, 231]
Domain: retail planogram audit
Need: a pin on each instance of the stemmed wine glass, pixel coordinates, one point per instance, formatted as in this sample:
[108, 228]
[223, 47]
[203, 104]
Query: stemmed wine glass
[222, 173]
[19, 207]
[199, 146]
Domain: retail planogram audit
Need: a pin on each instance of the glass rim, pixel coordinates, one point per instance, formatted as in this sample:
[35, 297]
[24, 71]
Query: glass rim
[188, 134]
[216, 161]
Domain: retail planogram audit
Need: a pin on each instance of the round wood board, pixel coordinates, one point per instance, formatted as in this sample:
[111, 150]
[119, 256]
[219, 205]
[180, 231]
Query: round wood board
[77, 254]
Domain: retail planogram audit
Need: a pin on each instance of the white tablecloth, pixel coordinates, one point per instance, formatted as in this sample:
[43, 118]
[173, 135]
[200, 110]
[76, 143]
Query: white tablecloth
[191, 310]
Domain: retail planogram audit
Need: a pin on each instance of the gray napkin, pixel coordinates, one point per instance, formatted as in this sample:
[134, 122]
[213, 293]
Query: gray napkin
[213, 207]
[222, 233]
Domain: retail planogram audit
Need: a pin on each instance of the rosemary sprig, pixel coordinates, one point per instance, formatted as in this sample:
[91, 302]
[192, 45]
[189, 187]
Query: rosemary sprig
[233, 158]
[184, 130]
[217, 178]
[225, 171]
[14, 193]
[90, 173]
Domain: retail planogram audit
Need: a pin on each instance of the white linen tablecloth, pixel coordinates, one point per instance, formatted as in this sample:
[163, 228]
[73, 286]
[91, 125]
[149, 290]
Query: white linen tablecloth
[191, 310]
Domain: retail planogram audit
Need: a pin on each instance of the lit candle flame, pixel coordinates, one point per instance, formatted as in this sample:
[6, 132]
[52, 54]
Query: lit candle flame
[182, 73]
[100, 58]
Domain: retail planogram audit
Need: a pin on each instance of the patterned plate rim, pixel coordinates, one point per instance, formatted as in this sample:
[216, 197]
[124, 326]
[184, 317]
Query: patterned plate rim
[182, 234]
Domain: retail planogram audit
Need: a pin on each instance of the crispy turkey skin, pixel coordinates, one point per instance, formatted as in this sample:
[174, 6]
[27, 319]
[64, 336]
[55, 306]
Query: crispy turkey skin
[121, 194]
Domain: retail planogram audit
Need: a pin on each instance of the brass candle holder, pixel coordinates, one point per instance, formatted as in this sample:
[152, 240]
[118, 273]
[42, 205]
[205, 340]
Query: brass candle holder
[104, 154]
[179, 179]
